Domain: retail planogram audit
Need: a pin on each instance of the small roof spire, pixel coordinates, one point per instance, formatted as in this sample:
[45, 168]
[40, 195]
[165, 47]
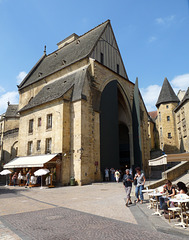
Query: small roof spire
[45, 49]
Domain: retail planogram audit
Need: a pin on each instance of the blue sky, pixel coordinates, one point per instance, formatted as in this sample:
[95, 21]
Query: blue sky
[152, 35]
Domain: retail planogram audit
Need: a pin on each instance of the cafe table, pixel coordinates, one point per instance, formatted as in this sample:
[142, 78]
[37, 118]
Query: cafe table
[148, 191]
[180, 201]
[156, 195]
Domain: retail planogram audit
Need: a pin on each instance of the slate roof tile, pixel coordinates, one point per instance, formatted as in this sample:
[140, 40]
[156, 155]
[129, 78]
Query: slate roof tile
[12, 110]
[70, 53]
[58, 88]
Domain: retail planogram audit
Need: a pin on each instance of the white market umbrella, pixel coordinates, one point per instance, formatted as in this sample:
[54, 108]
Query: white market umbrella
[5, 172]
[41, 172]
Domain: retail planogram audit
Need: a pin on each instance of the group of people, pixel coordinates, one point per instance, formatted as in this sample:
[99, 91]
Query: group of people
[139, 181]
[171, 190]
[127, 178]
[21, 178]
[113, 175]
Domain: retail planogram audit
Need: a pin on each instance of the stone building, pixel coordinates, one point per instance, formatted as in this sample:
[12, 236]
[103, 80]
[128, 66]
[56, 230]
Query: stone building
[182, 123]
[9, 126]
[78, 105]
[172, 118]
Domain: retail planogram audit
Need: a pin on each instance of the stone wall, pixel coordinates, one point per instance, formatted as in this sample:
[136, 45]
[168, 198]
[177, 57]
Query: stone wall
[41, 132]
[167, 128]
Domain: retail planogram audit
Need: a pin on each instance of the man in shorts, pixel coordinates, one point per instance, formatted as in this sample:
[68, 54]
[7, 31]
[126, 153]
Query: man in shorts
[127, 182]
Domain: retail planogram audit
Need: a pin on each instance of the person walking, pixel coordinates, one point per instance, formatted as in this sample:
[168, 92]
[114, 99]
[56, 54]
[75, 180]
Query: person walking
[112, 173]
[28, 175]
[139, 176]
[14, 178]
[106, 171]
[127, 182]
[117, 176]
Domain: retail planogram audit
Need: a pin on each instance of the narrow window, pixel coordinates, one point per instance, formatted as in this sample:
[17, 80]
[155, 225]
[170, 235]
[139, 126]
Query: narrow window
[38, 145]
[31, 126]
[39, 122]
[169, 135]
[167, 106]
[117, 68]
[16, 151]
[161, 133]
[48, 145]
[160, 116]
[30, 147]
[102, 58]
[49, 121]
[168, 118]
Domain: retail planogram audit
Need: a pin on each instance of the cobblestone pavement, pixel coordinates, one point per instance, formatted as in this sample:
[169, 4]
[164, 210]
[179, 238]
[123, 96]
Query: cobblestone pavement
[63, 223]
[89, 212]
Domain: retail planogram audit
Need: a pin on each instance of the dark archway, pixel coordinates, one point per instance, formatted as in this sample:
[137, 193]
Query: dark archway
[114, 131]
[124, 147]
[109, 134]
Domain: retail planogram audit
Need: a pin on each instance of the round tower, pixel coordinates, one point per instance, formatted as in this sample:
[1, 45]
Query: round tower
[166, 103]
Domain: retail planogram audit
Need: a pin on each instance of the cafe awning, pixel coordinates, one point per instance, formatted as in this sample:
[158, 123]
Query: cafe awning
[30, 161]
[164, 159]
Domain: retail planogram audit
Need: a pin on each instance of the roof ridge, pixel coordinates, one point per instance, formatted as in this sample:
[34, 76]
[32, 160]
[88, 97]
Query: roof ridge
[31, 71]
[107, 21]
[185, 98]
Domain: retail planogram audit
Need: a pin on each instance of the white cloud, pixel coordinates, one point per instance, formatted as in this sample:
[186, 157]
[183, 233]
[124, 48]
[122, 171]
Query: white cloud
[159, 20]
[20, 77]
[151, 93]
[2, 89]
[150, 96]
[181, 82]
[12, 97]
[165, 21]
[152, 39]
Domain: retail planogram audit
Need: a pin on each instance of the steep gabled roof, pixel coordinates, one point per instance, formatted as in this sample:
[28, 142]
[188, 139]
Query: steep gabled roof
[63, 57]
[185, 98]
[58, 88]
[12, 110]
[153, 114]
[167, 95]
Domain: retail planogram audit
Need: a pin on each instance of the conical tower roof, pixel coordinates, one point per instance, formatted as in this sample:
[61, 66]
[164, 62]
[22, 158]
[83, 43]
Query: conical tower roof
[167, 94]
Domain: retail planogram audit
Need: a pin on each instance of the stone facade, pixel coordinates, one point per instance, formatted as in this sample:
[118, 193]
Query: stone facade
[182, 126]
[171, 120]
[167, 127]
[61, 111]
[9, 127]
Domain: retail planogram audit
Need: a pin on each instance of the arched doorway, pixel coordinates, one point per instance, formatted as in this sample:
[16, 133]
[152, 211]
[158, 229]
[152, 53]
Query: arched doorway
[115, 128]
[124, 147]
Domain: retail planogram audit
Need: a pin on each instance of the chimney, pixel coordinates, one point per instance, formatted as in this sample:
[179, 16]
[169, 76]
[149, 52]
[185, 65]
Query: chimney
[67, 40]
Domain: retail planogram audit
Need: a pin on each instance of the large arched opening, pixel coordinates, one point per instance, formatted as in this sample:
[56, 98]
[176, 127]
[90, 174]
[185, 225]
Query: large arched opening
[115, 129]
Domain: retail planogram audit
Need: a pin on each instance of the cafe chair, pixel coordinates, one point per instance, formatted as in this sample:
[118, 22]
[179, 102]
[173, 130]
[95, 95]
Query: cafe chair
[173, 211]
[153, 202]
